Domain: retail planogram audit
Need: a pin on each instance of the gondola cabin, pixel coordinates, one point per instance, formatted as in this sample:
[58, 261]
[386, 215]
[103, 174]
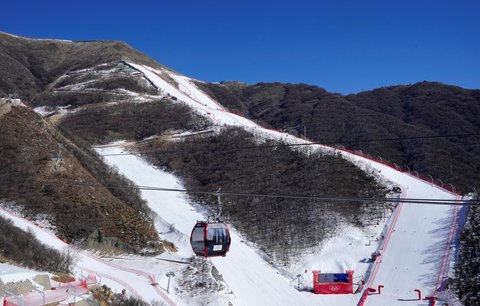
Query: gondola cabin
[210, 239]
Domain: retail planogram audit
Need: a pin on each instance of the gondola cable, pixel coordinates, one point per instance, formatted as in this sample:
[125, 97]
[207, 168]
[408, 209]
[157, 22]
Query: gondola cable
[327, 143]
[337, 198]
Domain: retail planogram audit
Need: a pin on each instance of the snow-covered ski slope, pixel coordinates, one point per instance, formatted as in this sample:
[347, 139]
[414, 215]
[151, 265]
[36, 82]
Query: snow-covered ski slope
[134, 281]
[416, 246]
[252, 280]
[416, 242]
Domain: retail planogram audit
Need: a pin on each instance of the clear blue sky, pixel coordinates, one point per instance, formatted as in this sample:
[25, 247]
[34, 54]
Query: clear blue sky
[343, 46]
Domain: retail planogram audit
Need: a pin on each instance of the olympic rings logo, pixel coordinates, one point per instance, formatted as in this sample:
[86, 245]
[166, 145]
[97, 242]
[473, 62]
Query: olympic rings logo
[334, 288]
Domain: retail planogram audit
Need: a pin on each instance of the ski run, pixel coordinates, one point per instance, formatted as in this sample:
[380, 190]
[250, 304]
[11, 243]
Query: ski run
[416, 244]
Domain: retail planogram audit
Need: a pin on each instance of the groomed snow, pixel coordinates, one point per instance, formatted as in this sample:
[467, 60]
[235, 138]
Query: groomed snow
[10, 273]
[417, 243]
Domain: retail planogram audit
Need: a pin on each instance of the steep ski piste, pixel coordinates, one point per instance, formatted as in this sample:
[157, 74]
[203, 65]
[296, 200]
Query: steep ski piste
[416, 250]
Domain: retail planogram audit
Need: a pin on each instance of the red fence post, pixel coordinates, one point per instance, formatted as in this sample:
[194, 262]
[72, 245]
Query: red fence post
[363, 298]
[419, 293]
[431, 299]
[380, 288]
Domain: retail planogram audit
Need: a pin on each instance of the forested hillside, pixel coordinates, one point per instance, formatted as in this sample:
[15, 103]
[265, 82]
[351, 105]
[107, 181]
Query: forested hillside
[400, 124]
[130, 121]
[283, 227]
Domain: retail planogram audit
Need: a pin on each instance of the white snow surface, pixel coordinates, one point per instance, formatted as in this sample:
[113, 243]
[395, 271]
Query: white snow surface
[411, 260]
[188, 93]
[10, 273]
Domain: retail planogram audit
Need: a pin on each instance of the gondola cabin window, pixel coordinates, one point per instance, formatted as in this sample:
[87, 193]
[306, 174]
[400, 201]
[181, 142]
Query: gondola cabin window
[197, 239]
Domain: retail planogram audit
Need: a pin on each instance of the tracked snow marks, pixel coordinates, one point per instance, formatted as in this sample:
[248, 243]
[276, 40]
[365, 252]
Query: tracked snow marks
[186, 92]
[447, 258]
[415, 248]
[390, 228]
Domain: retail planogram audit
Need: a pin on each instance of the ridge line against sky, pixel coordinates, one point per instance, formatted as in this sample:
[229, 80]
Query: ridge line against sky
[342, 46]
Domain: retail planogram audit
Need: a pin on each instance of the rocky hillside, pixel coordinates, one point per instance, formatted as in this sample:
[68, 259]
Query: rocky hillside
[52, 179]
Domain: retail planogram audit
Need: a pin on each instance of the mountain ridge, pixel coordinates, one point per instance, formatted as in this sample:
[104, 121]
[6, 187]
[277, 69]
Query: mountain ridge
[29, 65]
